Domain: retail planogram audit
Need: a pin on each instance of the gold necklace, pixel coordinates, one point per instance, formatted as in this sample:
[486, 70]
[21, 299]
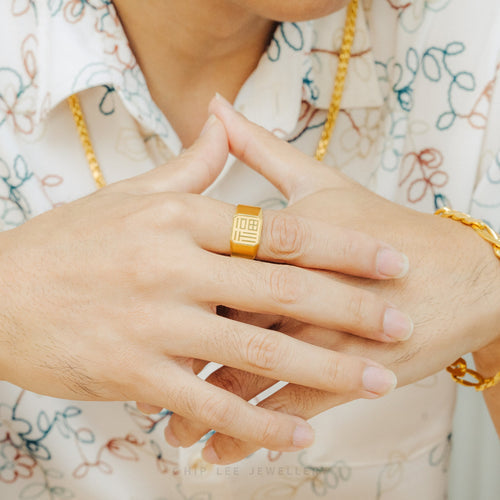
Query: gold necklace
[333, 110]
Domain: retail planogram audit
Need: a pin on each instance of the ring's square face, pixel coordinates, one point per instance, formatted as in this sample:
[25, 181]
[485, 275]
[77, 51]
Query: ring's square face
[246, 229]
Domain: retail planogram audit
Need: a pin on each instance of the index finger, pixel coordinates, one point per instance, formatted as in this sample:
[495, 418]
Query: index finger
[288, 168]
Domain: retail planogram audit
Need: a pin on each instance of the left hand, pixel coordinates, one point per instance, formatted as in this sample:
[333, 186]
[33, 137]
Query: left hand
[450, 292]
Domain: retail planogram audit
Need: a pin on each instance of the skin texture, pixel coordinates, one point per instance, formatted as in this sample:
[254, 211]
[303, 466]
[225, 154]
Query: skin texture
[113, 296]
[454, 306]
[115, 341]
[487, 363]
[185, 48]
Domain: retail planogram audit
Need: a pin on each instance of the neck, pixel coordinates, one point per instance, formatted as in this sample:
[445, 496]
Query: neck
[188, 51]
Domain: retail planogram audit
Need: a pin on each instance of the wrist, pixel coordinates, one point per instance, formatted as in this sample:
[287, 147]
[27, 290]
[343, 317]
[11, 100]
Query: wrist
[488, 328]
[487, 359]
[490, 277]
[7, 365]
[480, 259]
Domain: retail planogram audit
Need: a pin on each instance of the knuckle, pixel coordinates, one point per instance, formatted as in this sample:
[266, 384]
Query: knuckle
[229, 380]
[356, 308]
[174, 211]
[289, 236]
[182, 401]
[292, 402]
[263, 351]
[333, 373]
[279, 404]
[268, 429]
[229, 338]
[285, 284]
[216, 411]
[302, 402]
[348, 250]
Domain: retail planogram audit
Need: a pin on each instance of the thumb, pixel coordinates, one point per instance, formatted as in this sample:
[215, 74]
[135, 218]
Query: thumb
[191, 172]
[294, 173]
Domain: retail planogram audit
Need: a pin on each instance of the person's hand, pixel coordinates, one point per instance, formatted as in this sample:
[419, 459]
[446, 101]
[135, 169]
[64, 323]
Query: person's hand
[451, 292]
[111, 297]
[487, 362]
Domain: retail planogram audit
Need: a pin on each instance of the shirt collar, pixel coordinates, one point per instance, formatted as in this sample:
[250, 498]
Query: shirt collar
[300, 65]
[85, 48]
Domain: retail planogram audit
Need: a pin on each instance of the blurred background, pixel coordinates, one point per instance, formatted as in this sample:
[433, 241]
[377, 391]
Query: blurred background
[475, 457]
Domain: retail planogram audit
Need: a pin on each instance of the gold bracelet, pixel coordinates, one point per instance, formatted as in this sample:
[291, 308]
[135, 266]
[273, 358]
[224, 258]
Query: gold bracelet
[458, 369]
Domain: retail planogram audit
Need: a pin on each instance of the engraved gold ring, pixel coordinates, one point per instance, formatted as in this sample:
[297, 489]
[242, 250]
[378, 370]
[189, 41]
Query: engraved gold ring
[246, 231]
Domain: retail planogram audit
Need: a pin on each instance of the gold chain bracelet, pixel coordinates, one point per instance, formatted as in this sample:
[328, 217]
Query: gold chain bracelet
[459, 370]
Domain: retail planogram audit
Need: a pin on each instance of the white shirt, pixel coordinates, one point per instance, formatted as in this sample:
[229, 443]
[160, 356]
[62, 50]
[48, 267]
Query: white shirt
[420, 125]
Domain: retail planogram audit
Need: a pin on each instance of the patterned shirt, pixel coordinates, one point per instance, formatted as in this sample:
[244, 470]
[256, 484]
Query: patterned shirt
[420, 125]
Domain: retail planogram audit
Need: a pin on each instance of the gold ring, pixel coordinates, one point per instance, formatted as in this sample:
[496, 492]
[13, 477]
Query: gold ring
[246, 231]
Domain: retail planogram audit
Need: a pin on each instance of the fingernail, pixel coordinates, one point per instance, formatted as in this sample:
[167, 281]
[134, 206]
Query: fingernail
[223, 100]
[391, 263]
[209, 455]
[303, 436]
[397, 325]
[378, 381]
[170, 438]
[211, 120]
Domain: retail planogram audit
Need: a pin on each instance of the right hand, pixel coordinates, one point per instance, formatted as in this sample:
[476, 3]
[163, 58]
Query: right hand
[112, 297]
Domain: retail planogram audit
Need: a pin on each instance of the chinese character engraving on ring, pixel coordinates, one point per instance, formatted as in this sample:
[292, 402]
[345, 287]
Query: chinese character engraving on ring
[246, 229]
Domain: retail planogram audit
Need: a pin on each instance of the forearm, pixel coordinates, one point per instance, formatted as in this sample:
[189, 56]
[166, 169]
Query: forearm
[8, 365]
[487, 362]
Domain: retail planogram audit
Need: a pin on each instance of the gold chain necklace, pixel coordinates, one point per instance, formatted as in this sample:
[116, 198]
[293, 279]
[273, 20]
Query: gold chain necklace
[333, 110]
